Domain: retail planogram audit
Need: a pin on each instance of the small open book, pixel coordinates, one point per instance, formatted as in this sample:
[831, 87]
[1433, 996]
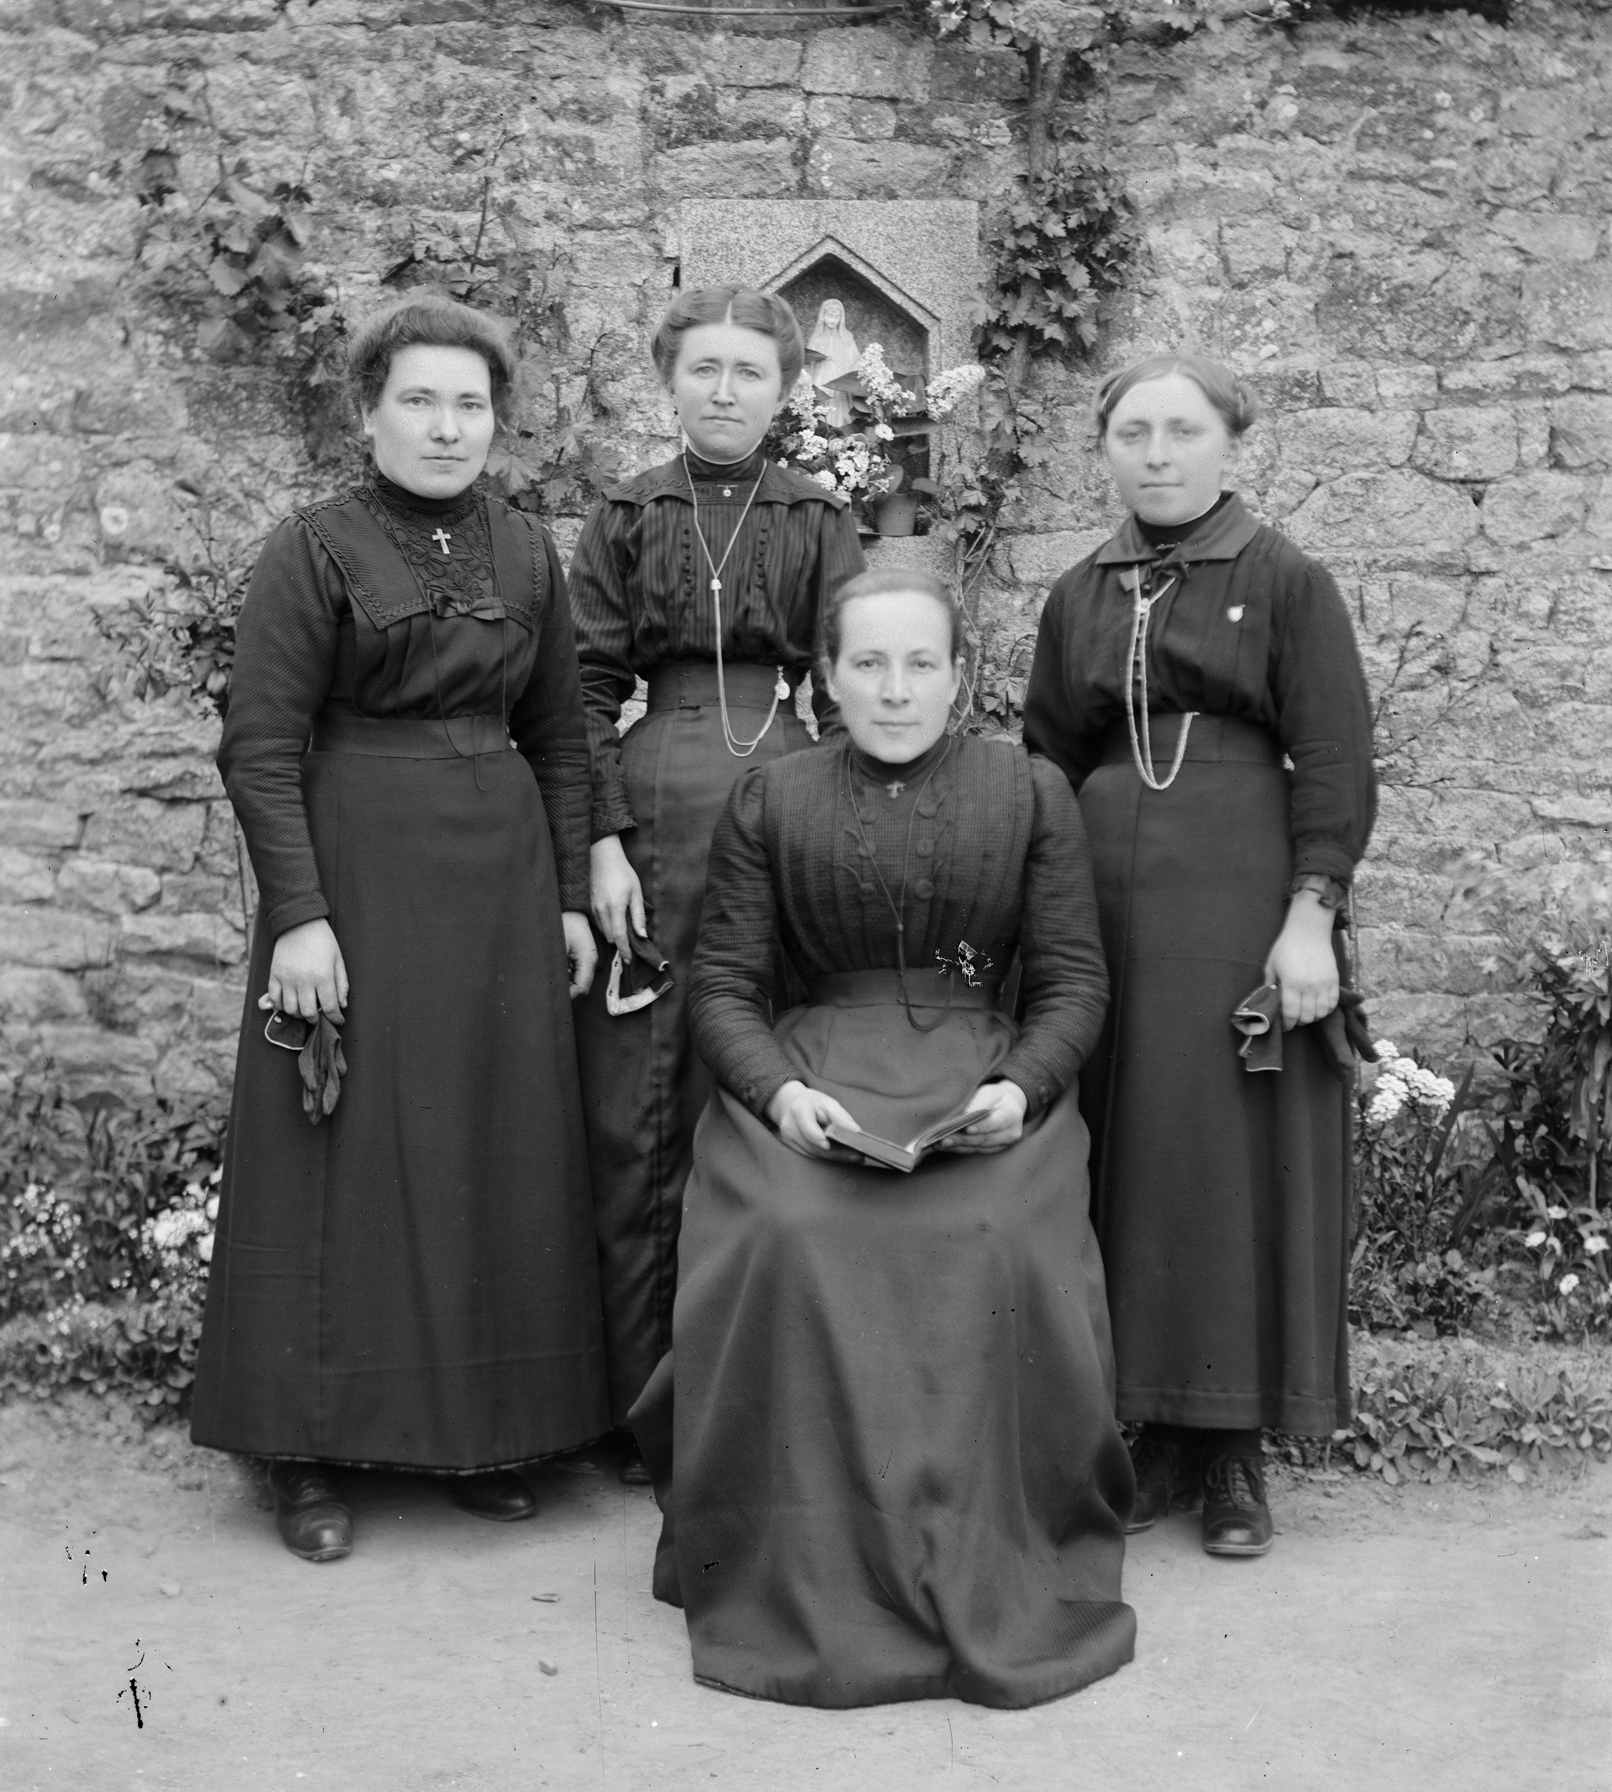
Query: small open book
[907, 1156]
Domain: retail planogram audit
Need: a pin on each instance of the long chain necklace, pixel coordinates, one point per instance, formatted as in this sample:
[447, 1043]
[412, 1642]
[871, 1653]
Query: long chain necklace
[897, 908]
[1136, 688]
[738, 747]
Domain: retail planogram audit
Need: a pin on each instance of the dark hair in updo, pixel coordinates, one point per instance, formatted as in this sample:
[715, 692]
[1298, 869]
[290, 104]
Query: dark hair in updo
[763, 312]
[426, 318]
[885, 583]
[1231, 398]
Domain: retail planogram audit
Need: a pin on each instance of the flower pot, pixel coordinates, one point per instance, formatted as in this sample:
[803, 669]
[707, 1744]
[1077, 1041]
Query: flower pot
[896, 513]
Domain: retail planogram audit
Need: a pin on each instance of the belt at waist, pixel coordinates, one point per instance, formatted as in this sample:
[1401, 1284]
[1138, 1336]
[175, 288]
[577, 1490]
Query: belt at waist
[1213, 738]
[381, 737]
[690, 684]
[925, 989]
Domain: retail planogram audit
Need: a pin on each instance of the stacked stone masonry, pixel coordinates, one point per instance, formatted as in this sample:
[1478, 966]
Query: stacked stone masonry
[1395, 224]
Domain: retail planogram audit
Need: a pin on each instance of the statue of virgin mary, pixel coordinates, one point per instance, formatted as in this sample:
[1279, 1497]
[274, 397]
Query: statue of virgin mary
[838, 354]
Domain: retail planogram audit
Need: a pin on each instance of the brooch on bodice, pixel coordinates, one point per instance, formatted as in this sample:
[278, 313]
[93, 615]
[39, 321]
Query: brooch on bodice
[970, 965]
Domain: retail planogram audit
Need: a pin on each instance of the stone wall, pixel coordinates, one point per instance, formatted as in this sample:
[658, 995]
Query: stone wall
[1396, 224]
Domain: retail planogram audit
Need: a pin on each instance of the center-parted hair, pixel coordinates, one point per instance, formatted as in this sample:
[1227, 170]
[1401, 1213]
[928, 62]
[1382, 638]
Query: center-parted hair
[425, 318]
[763, 312]
[887, 582]
[1236, 405]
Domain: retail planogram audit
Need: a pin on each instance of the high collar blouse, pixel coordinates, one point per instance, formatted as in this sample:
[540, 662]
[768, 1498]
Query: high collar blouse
[980, 850]
[399, 630]
[1244, 624]
[640, 586]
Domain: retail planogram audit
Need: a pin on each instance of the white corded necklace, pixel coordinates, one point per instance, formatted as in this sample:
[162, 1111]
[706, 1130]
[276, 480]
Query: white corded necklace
[1136, 687]
[738, 747]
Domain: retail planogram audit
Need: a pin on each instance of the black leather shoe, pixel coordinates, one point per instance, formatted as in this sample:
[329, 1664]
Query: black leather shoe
[499, 1494]
[1164, 1480]
[312, 1517]
[1236, 1519]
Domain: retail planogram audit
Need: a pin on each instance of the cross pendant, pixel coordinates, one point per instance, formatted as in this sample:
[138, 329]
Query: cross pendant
[895, 787]
[441, 537]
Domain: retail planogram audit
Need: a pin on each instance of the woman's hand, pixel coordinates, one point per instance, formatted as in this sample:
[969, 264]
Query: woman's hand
[581, 951]
[617, 896]
[1001, 1127]
[1302, 963]
[800, 1114]
[306, 973]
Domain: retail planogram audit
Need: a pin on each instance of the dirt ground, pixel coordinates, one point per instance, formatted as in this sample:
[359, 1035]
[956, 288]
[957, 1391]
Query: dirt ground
[154, 1635]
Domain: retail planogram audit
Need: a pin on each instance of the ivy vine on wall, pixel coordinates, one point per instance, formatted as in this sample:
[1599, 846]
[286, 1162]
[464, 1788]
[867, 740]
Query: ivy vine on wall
[240, 261]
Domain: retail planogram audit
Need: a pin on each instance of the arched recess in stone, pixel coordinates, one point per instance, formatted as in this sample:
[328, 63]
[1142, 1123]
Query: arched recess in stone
[876, 310]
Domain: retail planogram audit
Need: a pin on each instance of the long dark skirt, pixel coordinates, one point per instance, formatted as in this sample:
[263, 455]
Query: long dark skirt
[1221, 1195]
[412, 1282]
[894, 1467]
[643, 1084]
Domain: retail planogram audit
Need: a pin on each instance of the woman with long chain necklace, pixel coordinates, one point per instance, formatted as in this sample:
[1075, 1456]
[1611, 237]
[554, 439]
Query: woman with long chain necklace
[704, 577]
[884, 1440]
[409, 1282]
[1197, 679]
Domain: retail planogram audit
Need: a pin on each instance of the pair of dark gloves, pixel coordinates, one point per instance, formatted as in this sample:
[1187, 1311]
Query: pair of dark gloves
[322, 1064]
[1345, 1033]
[634, 983]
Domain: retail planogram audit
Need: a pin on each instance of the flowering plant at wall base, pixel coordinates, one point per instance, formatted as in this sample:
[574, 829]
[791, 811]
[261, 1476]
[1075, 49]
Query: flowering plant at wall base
[1570, 1250]
[106, 1232]
[1421, 1185]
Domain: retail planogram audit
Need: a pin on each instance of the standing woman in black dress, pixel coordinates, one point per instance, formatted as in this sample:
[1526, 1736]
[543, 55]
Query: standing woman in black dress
[1197, 678]
[410, 1282]
[704, 576]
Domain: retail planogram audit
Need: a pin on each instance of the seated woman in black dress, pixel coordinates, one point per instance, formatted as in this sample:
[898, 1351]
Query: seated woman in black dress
[897, 1473]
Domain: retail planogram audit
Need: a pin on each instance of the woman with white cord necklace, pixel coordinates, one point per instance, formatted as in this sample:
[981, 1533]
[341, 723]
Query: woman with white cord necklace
[704, 576]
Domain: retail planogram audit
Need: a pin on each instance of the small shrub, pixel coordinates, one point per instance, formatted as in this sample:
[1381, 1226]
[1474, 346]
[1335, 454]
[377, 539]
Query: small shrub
[104, 1244]
[1458, 1413]
[1568, 1247]
[180, 635]
[1555, 1105]
[1421, 1188]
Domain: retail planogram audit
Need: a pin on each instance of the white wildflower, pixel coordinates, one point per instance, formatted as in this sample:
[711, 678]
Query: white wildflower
[947, 390]
[1387, 1098]
[1595, 1244]
[1567, 1284]
[1534, 1240]
[168, 1230]
[884, 390]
